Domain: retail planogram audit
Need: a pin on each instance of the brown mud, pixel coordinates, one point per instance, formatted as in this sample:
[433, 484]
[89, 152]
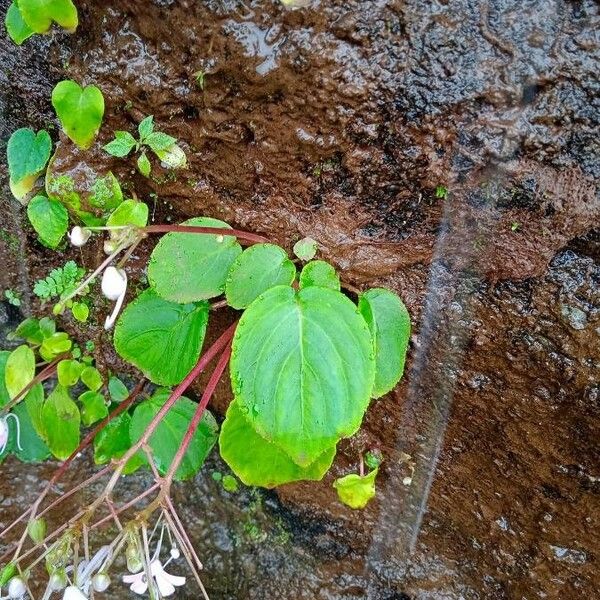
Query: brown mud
[339, 121]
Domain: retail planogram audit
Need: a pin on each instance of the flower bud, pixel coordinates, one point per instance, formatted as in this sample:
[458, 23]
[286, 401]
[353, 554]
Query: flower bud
[175, 553]
[114, 283]
[58, 580]
[3, 434]
[16, 588]
[110, 246]
[73, 593]
[100, 582]
[173, 157]
[79, 236]
[37, 530]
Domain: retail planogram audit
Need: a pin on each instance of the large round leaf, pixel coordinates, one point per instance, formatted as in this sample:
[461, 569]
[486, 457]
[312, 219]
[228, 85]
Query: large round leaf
[255, 270]
[303, 366]
[163, 339]
[389, 323]
[259, 462]
[187, 267]
[167, 438]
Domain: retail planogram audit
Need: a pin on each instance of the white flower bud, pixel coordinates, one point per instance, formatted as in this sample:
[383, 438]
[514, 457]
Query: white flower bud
[73, 593]
[173, 157]
[110, 246]
[79, 236]
[175, 553]
[16, 588]
[100, 582]
[114, 283]
[58, 581]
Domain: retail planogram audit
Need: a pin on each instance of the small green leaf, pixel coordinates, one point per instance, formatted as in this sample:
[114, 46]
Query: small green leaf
[373, 459]
[39, 14]
[50, 220]
[54, 345]
[254, 271]
[80, 311]
[93, 407]
[47, 327]
[113, 440]
[16, 27]
[20, 370]
[61, 420]
[69, 372]
[167, 438]
[321, 274]
[34, 401]
[172, 158]
[151, 332]
[305, 249]
[122, 145]
[27, 153]
[177, 255]
[91, 378]
[146, 127]
[117, 389]
[230, 484]
[303, 367]
[143, 165]
[356, 491]
[130, 212]
[80, 111]
[258, 462]
[389, 323]
[159, 141]
[7, 573]
[29, 330]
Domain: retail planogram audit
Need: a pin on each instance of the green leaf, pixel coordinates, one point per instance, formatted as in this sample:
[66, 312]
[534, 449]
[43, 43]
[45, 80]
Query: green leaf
[4, 395]
[47, 327]
[91, 378]
[20, 370]
[61, 421]
[106, 193]
[162, 339]
[179, 255]
[143, 165]
[159, 141]
[23, 441]
[171, 158]
[305, 249]
[7, 573]
[16, 27]
[49, 218]
[39, 14]
[117, 389]
[122, 145]
[303, 366]
[356, 491]
[27, 153]
[146, 127]
[29, 330]
[94, 407]
[259, 462]
[130, 212]
[321, 274]
[113, 440]
[69, 372]
[54, 345]
[80, 111]
[34, 401]
[168, 436]
[254, 271]
[230, 484]
[80, 311]
[389, 323]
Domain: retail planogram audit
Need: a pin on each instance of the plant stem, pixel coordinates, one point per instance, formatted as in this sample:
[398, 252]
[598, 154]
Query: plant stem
[241, 235]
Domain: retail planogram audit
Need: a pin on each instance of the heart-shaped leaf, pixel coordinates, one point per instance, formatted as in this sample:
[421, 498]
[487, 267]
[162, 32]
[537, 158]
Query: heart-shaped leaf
[80, 111]
[61, 422]
[39, 14]
[49, 218]
[254, 271]
[356, 491]
[259, 462]
[187, 267]
[303, 366]
[167, 438]
[389, 323]
[163, 339]
[16, 27]
[321, 274]
[27, 153]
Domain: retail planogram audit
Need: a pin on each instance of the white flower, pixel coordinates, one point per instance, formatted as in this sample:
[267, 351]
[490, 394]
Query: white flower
[16, 588]
[165, 582]
[4, 432]
[79, 236]
[114, 287]
[173, 157]
[74, 593]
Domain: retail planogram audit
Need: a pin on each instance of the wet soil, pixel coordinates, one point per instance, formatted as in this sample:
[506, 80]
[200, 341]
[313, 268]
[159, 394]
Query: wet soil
[339, 121]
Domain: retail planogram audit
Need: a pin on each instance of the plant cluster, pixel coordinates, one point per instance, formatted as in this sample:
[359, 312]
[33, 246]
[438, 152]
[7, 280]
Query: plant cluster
[24, 18]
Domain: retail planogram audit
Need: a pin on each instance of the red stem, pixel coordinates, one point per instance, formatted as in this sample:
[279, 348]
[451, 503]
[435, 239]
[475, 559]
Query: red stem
[206, 396]
[242, 235]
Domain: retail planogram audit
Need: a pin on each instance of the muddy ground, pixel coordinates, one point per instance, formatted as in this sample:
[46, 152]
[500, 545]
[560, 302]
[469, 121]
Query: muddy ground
[339, 121]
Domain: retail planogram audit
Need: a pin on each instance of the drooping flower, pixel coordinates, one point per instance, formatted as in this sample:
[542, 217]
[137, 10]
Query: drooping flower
[73, 593]
[4, 431]
[17, 588]
[79, 236]
[114, 287]
[165, 582]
